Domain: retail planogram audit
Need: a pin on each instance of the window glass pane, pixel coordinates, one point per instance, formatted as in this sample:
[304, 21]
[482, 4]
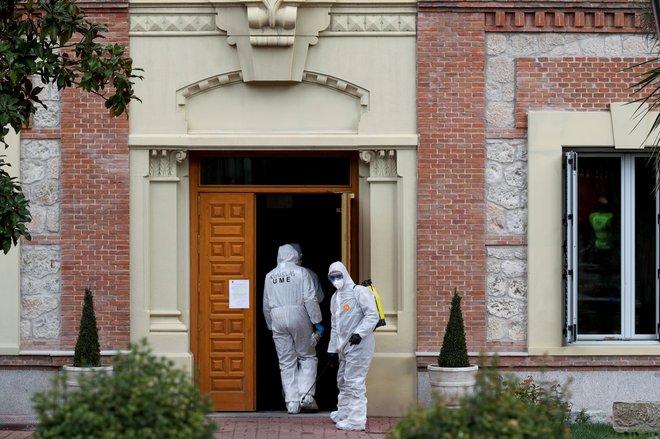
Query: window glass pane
[599, 260]
[644, 246]
[258, 170]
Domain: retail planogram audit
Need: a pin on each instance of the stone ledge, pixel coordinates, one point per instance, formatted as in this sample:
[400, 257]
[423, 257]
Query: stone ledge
[636, 417]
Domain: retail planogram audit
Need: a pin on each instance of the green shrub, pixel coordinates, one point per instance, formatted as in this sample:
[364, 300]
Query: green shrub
[501, 407]
[88, 350]
[145, 397]
[454, 348]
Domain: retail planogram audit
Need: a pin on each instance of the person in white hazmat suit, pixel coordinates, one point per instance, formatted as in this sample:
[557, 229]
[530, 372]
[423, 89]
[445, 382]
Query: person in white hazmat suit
[290, 308]
[315, 279]
[354, 318]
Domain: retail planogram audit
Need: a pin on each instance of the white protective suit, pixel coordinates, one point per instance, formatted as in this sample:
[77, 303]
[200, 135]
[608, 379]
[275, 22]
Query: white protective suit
[315, 279]
[290, 308]
[353, 312]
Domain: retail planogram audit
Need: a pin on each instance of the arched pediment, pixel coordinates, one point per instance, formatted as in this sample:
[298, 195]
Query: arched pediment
[319, 103]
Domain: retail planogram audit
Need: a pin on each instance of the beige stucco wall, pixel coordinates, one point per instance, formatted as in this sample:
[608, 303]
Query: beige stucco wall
[346, 82]
[549, 132]
[10, 269]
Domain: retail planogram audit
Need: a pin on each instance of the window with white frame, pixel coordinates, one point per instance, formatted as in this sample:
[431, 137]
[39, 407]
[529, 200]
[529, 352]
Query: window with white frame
[610, 247]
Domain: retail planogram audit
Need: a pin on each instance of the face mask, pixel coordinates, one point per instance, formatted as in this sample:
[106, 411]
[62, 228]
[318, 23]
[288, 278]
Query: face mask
[338, 283]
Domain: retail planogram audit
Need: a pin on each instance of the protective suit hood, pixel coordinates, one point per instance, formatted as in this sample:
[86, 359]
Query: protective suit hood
[297, 248]
[348, 280]
[287, 253]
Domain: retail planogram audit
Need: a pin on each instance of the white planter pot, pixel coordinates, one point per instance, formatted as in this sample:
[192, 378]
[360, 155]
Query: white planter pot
[450, 384]
[73, 373]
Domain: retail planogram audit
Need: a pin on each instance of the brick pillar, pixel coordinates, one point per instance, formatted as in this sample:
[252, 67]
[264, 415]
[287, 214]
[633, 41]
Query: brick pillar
[450, 228]
[95, 203]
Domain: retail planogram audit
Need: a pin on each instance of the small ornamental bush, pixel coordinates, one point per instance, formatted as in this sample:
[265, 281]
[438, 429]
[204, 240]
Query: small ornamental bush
[88, 350]
[454, 348]
[145, 397]
[501, 407]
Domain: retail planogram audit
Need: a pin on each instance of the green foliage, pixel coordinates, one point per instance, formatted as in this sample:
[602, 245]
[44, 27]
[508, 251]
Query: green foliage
[454, 348]
[145, 397]
[88, 350]
[605, 431]
[14, 213]
[501, 407]
[52, 41]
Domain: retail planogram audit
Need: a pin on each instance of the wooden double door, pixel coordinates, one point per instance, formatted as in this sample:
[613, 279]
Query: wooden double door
[238, 234]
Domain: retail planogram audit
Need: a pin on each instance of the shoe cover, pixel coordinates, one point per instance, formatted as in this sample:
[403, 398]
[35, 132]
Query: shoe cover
[308, 403]
[345, 425]
[335, 416]
[293, 407]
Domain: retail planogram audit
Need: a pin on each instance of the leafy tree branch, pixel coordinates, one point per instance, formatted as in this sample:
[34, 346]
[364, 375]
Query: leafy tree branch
[53, 41]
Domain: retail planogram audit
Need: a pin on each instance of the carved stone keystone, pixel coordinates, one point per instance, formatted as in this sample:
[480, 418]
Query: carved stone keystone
[636, 417]
[272, 36]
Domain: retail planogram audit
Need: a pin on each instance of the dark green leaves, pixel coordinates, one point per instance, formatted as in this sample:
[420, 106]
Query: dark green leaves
[52, 41]
[14, 213]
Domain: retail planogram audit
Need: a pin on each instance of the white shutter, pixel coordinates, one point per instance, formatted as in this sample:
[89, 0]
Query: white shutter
[570, 246]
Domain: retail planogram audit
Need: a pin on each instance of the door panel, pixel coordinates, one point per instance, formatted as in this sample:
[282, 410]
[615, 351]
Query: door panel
[226, 335]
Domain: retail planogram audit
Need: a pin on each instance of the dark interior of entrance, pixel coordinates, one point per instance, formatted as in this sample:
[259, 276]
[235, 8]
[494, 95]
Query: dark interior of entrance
[313, 221]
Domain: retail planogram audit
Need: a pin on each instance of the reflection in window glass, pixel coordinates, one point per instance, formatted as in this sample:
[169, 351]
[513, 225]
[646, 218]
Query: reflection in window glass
[599, 255]
[644, 250]
[259, 170]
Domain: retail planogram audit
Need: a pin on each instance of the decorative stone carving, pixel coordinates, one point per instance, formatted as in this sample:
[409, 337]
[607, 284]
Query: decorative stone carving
[163, 163]
[272, 23]
[373, 23]
[382, 163]
[272, 37]
[177, 22]
[310, 77]
[636, 417]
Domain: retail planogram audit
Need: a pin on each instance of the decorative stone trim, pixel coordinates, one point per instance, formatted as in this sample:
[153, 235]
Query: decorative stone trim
[177, 22]
[338, 84]
[382, 162]
[236, 77]
[373, 23]
[591, 21]
[163, 163]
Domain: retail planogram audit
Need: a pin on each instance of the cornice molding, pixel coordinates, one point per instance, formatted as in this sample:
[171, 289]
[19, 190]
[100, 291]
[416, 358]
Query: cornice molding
[545, 5]
[565, 20]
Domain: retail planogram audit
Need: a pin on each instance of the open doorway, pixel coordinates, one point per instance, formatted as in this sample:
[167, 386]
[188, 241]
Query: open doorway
[313, 221]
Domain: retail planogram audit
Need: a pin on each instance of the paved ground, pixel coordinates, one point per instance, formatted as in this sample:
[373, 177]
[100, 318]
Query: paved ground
[270, 425]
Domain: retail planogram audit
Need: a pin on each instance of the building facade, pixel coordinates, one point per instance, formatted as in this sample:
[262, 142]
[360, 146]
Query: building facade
[432, 146]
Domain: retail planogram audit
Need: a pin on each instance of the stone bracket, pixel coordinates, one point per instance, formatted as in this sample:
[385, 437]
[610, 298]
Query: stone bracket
[272, 37]
[382, 163]
[163, 164]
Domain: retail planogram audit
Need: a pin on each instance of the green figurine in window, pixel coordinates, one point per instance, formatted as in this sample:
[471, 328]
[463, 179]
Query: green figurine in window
[601, 223]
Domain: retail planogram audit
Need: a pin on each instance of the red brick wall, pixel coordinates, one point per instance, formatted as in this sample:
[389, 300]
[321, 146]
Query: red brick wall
[95, 203]
[585, 84]
[450, 228]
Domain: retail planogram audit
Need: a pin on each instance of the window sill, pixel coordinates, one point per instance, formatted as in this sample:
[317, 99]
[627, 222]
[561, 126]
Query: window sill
[621, 348]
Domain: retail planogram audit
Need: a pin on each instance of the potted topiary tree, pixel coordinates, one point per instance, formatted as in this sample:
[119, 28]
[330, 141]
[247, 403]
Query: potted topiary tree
[453, 376]
[87, 354]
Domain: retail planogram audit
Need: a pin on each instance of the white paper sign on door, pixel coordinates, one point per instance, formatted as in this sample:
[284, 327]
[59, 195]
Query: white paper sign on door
[239, 293]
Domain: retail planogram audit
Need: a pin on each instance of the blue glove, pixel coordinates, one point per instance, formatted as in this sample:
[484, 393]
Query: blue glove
[319, 328]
